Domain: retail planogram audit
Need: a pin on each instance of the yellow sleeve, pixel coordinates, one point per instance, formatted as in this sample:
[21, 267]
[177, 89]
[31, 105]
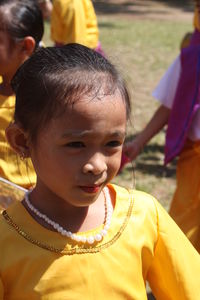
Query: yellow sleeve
[175, 270]
[11, 167]
[196, 19]
[68, 24]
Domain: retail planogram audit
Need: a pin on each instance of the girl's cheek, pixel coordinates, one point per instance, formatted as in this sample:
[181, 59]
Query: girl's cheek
[117, 161]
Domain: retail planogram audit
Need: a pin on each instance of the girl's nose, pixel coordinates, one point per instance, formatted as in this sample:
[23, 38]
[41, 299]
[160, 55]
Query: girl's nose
[96, 164]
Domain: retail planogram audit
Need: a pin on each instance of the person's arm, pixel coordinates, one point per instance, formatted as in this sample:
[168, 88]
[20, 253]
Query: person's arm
[165, 93]
[157, 122]
[46, 8]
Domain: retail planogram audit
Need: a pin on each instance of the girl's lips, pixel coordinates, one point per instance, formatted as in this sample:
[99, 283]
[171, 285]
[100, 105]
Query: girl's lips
[90, 189]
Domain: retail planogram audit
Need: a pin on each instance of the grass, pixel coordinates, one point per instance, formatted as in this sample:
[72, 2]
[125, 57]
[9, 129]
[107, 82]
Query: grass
[142, 49]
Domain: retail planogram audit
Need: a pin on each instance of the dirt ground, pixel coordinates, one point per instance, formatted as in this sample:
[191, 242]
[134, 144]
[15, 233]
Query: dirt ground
[142, 9]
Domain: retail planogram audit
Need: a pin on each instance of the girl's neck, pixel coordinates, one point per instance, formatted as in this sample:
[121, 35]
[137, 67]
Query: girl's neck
[71, 218]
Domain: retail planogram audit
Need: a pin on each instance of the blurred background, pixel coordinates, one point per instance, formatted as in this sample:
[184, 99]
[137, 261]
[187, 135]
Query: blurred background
[142, 38]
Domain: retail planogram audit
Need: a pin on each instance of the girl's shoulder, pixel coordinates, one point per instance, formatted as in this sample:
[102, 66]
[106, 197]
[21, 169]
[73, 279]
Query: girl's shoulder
[144, 205]
[15, 211]
[13, 220]
[141, 211]
[140, 198]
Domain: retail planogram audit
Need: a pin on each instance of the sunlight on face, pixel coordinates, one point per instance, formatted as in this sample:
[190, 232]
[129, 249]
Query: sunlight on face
[81, 149]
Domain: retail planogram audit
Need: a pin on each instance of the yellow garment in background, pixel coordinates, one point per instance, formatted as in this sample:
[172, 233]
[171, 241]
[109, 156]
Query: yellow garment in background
[74, 21]
[11, 167]
[196, 19]
[185, 206]
[142, 244]
[185, 42]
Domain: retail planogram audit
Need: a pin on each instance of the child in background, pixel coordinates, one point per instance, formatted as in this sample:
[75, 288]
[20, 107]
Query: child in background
[75, 21]
[196, 33]
[178, 92]
[21, 30]
[76, 233]
[46, 8]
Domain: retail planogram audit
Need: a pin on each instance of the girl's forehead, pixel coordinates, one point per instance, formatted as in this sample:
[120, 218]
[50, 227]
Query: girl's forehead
[90, 116]
[87, 107]
[90, 109]
[4, 18]
[96, 109]
[5, 11]
[98, 102]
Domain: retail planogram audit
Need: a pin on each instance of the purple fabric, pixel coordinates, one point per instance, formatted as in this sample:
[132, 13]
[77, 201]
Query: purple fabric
[99, 49]
[186, 102]
[195, 39]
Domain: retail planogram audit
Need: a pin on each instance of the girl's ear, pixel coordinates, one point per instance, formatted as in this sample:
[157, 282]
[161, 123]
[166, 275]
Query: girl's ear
[18, 140]
[28, 46]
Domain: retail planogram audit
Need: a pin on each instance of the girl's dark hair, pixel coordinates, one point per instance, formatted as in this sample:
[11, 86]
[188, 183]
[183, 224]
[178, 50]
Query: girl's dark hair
[57, 76]
[22, 18]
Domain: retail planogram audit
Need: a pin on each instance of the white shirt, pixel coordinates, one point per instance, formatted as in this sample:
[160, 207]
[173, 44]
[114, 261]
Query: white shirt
[165, 93]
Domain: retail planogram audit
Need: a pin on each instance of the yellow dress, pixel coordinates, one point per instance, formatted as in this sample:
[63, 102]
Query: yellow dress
[74, 21]
[142, 244]
[185, 206]
[11, 167]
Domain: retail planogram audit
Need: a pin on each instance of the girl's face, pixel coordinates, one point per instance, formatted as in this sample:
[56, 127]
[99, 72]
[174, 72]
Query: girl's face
[10, 53]
[79, 152]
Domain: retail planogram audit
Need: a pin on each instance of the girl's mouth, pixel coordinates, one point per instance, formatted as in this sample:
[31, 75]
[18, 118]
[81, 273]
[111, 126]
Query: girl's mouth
[91, 189]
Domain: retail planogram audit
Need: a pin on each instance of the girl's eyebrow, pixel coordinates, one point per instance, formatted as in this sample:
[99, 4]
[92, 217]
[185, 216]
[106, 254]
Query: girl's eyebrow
[82, 133]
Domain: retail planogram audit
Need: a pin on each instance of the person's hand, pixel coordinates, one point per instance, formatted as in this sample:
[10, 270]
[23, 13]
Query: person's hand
[132, 149]
[124, 160]
[157, 122]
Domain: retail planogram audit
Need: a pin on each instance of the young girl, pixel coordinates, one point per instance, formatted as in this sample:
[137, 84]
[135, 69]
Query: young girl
[178, 93]
[21, 30]
[76, 234]
[75, 21]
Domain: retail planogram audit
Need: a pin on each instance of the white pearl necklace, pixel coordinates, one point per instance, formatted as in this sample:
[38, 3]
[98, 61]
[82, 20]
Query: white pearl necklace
[75, 237]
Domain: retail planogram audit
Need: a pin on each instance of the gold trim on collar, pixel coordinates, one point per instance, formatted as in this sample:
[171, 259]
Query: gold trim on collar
[79, 250]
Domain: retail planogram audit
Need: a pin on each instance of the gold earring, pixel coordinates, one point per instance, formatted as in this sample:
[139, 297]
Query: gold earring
[22, 156]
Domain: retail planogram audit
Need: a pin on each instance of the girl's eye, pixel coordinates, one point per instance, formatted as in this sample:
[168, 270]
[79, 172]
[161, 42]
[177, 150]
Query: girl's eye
[75, 145]
[114, 144]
